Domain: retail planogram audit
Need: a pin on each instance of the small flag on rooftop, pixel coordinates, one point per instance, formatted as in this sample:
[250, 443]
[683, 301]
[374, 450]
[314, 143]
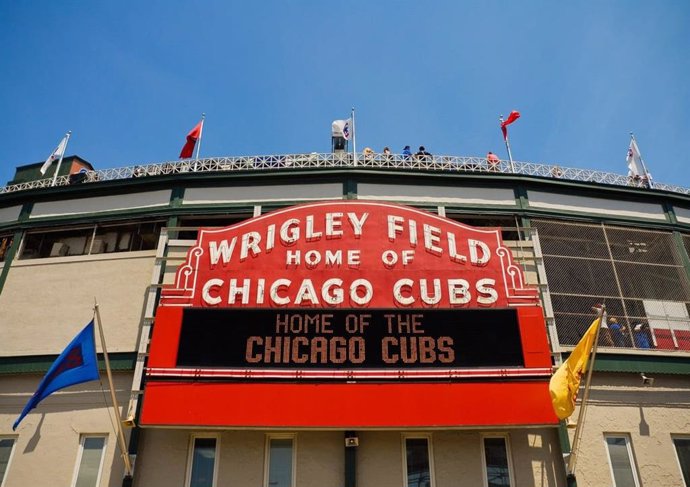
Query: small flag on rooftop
[57, 154]
[342, 128]
[514, 115]
[192, 137]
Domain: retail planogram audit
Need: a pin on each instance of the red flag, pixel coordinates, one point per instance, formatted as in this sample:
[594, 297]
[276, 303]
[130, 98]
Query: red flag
[514, 115]
[192, 137]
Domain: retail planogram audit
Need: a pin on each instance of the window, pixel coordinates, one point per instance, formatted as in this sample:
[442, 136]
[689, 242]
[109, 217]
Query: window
[202, 466]
[621, 460]
[91, 239]
[5, 243]
[6, 450]
[496, 460]
[683, 452]
[280, 462]
[417, 461]
[89, 461]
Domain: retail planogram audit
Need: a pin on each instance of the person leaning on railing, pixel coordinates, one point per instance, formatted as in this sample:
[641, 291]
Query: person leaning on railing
[493, 161]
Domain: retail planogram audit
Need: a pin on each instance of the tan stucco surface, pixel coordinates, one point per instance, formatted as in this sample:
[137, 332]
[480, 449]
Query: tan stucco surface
[649, 416]
[46, 302]
[47, 440]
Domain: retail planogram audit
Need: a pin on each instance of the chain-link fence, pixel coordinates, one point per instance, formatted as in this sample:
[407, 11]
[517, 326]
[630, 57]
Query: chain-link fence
[638, 274]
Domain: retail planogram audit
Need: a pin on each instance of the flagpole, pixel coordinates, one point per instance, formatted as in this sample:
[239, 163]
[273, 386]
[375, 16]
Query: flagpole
[644, 167]
[201, 133]
[510, 155]
[354, 137]
[198, 145]
[62, 154]
[120, 434]
[583, 405]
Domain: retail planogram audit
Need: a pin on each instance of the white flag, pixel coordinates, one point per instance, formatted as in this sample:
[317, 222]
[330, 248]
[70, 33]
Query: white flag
[56, 154]
[634, 160]
[342, 128]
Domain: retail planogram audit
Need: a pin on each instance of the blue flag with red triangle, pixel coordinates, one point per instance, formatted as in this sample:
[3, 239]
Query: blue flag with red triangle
[76, 364]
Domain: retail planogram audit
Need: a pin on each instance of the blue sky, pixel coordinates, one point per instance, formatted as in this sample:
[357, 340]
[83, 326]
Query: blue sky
[130, 79]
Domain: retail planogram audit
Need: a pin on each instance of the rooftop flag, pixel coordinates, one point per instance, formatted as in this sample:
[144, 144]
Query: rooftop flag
[514, 115]
[192, 137]
[57, 154]
[342, 128]
[76, 364]
[634, 160]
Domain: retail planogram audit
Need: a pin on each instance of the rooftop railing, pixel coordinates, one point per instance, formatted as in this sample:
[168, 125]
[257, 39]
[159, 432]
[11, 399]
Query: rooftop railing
[341, 160]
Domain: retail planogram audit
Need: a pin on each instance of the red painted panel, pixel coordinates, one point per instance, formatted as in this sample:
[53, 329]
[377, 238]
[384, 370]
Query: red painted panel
[535, 346]
[346, 405]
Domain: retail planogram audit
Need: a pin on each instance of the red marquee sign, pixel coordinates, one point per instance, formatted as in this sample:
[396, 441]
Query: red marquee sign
[350, 255]
[316, 306]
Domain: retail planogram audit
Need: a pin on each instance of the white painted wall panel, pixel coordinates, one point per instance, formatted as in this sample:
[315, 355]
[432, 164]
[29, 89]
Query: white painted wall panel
[599, 206]
[234, 194]
[437, 194]
[101, 203]
[10, 214]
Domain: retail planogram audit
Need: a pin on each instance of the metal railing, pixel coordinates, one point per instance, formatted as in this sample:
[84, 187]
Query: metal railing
[341, 160]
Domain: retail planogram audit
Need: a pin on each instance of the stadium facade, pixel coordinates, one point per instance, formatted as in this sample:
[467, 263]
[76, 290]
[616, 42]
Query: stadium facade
[314, 320]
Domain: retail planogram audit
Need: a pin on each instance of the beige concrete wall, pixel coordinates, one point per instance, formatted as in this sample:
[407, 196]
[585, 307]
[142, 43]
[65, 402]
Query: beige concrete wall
[648, 415]
[47, 440]
[164, 453]
[46, 302]
[457, 458]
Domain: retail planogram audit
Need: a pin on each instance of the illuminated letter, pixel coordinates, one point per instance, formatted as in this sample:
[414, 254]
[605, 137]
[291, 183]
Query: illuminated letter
[216, 250]
[337, 295]
[274, 291]
[458, 291]
[289, 231]
[250, 241]
[423, 291]
[368, 291]
[485, 287]
[474, 257]
[206, 291]
[357, 224]
[397, 292]
[306, 291]
[394, 226]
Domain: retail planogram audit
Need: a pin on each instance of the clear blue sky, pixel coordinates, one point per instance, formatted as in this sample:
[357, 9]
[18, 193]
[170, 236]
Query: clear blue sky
[131, 78]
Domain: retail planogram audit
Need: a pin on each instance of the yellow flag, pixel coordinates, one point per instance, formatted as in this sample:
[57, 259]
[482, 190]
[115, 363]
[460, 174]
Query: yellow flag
[566, 381]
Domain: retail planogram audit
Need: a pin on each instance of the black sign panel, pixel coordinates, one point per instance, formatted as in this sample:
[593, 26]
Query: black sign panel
[349, 338]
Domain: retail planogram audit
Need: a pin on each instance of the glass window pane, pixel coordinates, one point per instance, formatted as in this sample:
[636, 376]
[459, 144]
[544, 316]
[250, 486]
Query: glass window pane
[90, 464]
[620, 462]
[5, 451]
[280, 463]
[496, 456]
[203, 462]
[683, 449]
[418, 472]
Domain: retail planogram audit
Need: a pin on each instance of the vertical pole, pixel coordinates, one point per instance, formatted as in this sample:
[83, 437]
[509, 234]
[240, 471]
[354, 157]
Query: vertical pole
[201, 132]
[510, 155]
[120, 434]
[583, 405]
[62, 154]
[644, 167]
[198, 142]
[354, 138]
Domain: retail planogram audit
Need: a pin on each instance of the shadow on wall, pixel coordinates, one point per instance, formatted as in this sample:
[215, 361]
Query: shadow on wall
[544, 450]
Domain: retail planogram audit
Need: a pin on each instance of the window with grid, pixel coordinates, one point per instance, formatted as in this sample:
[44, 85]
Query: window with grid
[638, 274]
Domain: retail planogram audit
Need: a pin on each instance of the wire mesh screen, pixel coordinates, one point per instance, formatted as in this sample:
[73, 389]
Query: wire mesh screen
[638, 274]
